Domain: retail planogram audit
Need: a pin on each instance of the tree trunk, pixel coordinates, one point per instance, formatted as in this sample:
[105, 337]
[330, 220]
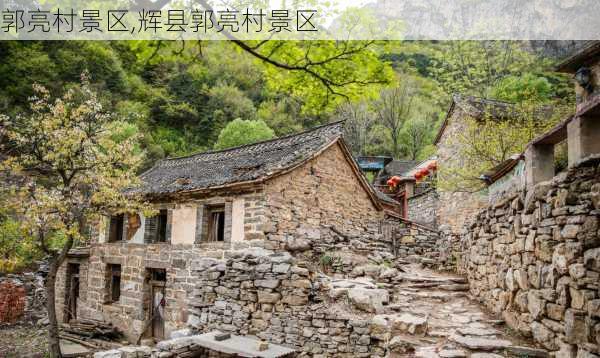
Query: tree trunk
[55, 262]
[53, 339]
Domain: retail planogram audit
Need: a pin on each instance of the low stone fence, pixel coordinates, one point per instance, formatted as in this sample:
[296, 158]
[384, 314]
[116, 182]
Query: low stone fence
[269, 296]
[534, 257]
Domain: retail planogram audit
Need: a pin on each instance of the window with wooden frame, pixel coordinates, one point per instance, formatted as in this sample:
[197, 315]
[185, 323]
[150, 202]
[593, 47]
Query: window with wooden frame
[156, 228]
[113, 285]
[216, 224]
[115, 231]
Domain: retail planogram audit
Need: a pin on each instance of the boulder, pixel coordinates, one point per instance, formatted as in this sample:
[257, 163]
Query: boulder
[521, 351]
[268, 297]
[380, 327]
[403, 344]
[591, 259]
[475, 331]
[367, 299]
[297, 244]
[576, 331]
[409, 323]
[388, 273]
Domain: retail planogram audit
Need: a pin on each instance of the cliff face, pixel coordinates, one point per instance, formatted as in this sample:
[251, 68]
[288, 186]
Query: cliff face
[554, 49]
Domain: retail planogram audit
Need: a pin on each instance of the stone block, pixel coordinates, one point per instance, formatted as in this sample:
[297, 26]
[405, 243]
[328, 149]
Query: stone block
[576, 330]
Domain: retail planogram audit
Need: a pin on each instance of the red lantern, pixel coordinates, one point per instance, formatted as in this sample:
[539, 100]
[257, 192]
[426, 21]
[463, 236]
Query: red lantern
[424, 172]
[418, 175]
[391, 183]
[432, 166]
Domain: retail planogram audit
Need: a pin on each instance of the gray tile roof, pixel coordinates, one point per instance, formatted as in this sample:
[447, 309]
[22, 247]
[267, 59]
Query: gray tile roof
[399, 167]
[235, 165]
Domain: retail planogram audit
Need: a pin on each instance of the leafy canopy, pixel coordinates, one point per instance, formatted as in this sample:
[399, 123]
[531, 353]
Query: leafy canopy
[239, 132]
[74, 162]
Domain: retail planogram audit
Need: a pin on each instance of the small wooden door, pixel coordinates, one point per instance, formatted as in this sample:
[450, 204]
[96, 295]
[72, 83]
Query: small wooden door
[157, 290]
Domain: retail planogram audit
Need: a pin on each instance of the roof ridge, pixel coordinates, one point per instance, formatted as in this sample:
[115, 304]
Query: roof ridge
[312, 129]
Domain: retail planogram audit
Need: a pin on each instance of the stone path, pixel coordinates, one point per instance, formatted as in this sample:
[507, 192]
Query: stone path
[440, 321]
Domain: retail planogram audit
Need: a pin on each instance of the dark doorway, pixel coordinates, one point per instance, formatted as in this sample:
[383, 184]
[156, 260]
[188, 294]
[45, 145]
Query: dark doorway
[71, 292]
[157, 280]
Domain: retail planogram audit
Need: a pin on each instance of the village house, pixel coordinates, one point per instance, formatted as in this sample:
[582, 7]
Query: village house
[300, 193]
[456, 207]
[414, 184]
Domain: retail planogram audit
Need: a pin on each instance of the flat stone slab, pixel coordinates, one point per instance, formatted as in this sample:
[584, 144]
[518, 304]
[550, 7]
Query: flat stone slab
[479, 343]
[72, 349]
[239, 345]
[452, 353]
[527, 351]
[471, 331]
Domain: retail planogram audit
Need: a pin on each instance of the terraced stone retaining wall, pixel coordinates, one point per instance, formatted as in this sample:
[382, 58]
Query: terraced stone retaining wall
[534, 257]
[278, 300]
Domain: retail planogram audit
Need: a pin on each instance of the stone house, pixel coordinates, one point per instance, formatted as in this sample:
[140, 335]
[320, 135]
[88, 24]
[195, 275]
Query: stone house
[455, 208]
[302, 192]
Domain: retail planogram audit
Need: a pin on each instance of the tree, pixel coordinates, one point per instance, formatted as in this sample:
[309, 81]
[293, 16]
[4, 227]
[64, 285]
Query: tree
[74, 166]
[239, 132]
[526, 88]
[488, 141]
[227, 103]
[394, 108]
[357, 126]
[476, 67]
[415, 135]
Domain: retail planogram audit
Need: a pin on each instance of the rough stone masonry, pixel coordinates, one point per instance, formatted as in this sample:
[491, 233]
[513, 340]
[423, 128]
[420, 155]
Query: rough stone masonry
[534, 257]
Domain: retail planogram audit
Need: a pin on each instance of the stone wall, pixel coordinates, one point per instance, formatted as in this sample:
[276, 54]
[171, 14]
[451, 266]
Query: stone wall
[322, 204]
[188, 222]
[422, 208]
[455, 208]
[534, 257]
[22, 298]
[130, 314]
[272, 296]
[62, 287]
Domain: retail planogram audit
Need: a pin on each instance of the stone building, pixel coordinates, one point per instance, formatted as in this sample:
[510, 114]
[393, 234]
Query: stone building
[300, 193]
[455, 208]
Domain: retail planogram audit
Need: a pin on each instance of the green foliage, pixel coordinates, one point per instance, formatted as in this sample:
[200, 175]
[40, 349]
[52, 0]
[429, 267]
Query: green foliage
[17, 249]
[181, 95]
[528, 87]
[487, 142]
[239, 132]
[476, 67]
[328, 260]
[414, 136]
